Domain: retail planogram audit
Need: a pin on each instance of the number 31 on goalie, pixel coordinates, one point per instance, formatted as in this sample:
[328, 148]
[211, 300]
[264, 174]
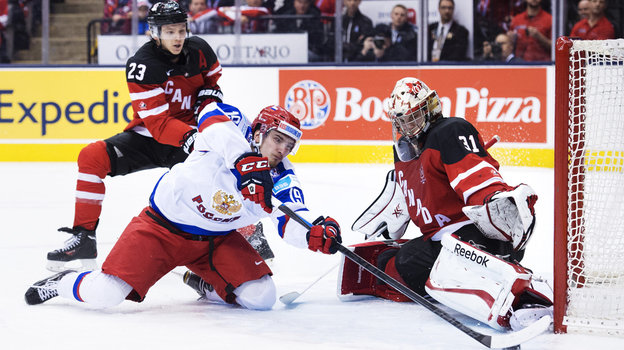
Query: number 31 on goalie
[469, 143]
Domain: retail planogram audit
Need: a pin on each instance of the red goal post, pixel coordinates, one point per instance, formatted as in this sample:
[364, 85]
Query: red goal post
[589, 186]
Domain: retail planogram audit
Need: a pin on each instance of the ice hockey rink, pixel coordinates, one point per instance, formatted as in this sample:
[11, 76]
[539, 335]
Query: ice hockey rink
[37, 198]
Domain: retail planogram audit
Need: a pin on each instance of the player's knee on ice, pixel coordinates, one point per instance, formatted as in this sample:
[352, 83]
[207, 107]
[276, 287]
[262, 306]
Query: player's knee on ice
[258, 294]
[96, 288]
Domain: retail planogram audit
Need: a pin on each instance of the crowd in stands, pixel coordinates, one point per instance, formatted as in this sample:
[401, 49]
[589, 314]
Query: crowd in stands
[503, 30]
[17, 19]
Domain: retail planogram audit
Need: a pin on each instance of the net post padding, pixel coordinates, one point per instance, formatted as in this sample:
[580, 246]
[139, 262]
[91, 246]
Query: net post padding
[562, 56]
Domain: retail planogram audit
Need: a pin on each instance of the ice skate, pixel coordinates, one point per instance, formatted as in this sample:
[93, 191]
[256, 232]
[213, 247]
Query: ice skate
[257, 240]
[528, 315]
[79, 248]
[197, 283]
[44, 290]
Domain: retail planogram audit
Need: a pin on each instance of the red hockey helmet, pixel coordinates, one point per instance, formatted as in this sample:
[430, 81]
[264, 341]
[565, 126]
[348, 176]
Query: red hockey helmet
[278, 118]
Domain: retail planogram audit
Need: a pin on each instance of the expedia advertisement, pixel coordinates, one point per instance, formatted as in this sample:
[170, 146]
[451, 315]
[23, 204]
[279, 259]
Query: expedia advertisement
[349, 104]
[47, 105]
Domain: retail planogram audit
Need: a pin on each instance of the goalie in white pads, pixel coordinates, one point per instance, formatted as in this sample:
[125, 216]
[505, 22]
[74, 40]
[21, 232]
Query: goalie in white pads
[474, 225]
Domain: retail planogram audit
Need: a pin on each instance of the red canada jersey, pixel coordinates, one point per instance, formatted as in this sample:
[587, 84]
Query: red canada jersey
[452, 171]
[163, 93]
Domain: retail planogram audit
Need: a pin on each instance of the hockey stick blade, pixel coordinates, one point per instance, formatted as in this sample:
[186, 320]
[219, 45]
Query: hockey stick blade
[288, 298]
[510, 339]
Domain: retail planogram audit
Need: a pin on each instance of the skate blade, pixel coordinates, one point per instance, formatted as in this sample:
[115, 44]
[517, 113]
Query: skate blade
[76, 265]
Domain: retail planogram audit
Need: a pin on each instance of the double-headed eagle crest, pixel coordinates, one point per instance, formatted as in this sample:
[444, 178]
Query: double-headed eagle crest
[225, 203]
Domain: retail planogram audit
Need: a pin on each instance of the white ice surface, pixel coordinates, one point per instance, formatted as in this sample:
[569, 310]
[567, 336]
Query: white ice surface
[37, 198]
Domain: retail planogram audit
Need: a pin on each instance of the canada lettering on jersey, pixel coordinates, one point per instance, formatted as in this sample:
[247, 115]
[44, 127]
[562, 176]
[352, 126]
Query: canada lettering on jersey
[451, 168]
[177, 97]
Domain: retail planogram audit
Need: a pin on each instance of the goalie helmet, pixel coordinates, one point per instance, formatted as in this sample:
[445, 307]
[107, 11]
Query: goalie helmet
[279, 119]
[412, 108]
[162, 13]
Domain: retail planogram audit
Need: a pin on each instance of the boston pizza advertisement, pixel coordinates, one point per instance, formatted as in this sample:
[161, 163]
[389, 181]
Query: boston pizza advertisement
[349, 104]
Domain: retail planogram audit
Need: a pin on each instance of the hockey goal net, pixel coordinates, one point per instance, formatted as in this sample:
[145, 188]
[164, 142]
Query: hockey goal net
[589, 186]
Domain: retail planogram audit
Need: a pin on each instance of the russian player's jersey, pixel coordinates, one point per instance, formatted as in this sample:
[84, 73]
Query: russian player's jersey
[453, 170]
[200, 195]
[163, 93]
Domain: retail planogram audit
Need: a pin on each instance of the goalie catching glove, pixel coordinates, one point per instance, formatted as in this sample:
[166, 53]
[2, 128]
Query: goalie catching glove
[506, 216]
[324, 235]
[254, 180]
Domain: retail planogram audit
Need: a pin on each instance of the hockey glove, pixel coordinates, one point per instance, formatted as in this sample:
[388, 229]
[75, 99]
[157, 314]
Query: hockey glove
[254, 179]
[506, 216]
[205, 97]
[324, 235]
[188, 140]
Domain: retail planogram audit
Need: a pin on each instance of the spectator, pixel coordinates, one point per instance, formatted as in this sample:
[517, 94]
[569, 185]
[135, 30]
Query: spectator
[17, 35]
[584, 8]
[532, 31]
[355, 26]
[492, 17]
[199, 22]
[203, 15]
[312, 26]
[596, 26]
[501, 50]
[327, 7]
[143, 7]
[378, 47]
[251, 10]
[120, 13]
[214, 4]
[448, 40]
[403, 33]
[4, 18]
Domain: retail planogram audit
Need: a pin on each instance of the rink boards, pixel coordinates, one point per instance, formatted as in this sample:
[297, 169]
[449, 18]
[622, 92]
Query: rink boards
[50, 114]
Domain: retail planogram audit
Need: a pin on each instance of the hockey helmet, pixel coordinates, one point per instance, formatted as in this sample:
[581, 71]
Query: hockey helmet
[412, 108]
[162, 13]
[277, 118]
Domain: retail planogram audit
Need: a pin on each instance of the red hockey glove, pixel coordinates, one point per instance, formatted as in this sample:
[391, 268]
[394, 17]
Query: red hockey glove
[188, 140]
[324, 235]
[205, 97]
[254, 179]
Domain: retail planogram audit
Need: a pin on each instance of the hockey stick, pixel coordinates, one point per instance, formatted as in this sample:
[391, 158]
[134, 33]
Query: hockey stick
[288, 298]
[506, 340]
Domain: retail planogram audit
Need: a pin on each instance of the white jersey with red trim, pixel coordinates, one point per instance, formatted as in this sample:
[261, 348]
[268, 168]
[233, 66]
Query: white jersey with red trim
[163, 93]
[452, 171]
[200, 196]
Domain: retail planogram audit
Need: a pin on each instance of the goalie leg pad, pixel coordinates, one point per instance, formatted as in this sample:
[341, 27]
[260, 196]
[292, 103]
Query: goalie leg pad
[355, 283]
[476, 283]
[387, 215]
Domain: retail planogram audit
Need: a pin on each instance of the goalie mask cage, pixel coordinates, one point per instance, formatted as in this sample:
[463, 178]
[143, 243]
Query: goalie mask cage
[589, 187]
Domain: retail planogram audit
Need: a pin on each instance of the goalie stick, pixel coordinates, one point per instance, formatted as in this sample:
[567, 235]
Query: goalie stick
[506, 340]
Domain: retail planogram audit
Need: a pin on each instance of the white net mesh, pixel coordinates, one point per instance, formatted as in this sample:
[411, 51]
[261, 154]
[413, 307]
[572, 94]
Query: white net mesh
[596, 188]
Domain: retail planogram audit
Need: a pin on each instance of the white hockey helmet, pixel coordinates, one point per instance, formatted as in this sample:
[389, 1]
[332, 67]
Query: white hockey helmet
[412, 107]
